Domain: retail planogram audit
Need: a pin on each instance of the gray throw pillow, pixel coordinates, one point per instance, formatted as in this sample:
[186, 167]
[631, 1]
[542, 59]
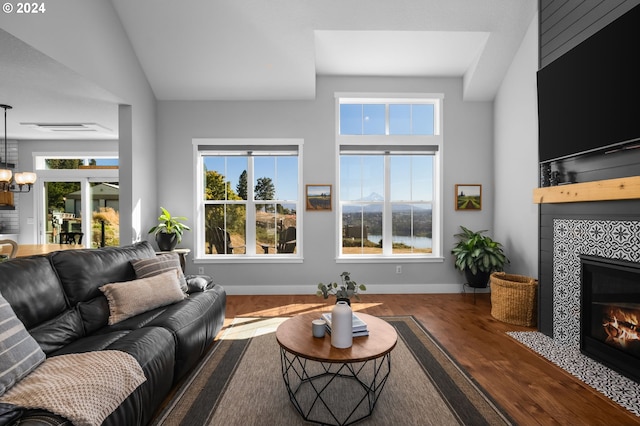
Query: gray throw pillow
[198, 283]
[20, 354]
[146, 268]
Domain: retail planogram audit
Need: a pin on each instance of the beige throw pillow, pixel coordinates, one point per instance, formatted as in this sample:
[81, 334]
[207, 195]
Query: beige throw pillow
[130, 298]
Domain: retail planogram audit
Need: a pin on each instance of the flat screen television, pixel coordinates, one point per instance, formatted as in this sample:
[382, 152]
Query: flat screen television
[589, 97]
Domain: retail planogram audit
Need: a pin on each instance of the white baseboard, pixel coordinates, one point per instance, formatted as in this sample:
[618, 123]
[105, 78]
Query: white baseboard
[371, 289]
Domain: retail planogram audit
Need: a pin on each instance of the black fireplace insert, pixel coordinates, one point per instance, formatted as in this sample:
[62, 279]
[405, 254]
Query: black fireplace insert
[610, 313]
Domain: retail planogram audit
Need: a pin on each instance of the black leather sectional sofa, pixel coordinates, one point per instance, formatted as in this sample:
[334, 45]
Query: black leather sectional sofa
[57, 298]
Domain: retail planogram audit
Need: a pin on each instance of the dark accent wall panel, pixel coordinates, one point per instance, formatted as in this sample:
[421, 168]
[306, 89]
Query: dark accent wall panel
[566, 23]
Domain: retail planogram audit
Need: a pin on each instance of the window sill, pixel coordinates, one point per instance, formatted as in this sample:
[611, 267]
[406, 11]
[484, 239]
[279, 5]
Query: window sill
[389, 259]
[248, 259]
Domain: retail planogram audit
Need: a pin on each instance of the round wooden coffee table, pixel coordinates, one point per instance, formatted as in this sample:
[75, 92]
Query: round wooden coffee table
[335, 386]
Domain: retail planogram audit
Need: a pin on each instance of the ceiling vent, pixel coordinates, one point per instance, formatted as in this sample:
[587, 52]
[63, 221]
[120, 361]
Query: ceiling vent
[68, 127]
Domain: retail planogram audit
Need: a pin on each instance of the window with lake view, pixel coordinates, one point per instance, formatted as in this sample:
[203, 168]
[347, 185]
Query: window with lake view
[389, 156]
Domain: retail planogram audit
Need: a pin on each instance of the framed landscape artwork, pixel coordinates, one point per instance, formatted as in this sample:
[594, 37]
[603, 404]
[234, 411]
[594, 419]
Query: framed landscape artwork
[318, 197]
[468, 197]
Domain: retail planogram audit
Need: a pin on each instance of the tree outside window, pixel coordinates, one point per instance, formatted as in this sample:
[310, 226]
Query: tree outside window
[244, 219]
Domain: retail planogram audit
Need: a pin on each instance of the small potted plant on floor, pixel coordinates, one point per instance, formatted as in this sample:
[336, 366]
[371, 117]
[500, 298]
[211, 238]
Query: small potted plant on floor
[477, 256]
[169, 230]
[344, 291]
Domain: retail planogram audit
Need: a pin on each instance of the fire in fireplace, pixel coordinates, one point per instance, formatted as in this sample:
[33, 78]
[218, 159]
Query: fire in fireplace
[610, 313]
[620, 322]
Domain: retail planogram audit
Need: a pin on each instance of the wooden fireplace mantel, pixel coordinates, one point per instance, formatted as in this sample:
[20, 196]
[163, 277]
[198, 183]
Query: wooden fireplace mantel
[627, 188]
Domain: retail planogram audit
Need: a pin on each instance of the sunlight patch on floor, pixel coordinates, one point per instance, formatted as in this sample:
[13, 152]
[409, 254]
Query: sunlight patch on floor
[247, 327]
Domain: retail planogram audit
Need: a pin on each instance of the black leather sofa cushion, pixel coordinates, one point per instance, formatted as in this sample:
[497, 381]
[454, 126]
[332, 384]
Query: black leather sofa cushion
[94, 313]
[154, 349]
[59, 331]
[194, 323]
[81, 272]
[31, 287]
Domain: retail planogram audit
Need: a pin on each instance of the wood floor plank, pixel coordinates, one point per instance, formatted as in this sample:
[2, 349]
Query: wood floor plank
[532, 390]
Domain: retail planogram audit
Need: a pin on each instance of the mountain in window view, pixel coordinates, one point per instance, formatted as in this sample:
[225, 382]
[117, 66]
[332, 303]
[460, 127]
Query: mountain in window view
[376, 208]
[374, 196]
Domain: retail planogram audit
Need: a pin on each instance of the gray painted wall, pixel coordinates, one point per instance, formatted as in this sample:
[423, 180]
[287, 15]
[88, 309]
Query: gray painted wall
[468, 158]
[516, 159]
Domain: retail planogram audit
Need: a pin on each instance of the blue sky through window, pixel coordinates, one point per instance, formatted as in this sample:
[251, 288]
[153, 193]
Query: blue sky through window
[361, 177]
[283, 171]
[106, 161]
[370, 119]
[411, 178]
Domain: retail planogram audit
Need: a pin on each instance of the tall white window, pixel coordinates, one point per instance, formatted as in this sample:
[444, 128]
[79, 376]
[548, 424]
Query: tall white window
[248, 194]
[389, 176]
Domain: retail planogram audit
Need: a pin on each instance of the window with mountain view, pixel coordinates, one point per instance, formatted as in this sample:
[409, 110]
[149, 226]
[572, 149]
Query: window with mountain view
[249, 200]
[388, 160]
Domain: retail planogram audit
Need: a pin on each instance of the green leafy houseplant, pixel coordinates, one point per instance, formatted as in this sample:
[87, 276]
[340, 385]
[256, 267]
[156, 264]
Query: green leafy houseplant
[478, 256]
[346, 290]
[169, 230]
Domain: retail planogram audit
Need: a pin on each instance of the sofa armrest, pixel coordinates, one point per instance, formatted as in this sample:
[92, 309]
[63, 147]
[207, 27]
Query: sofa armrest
[34, 417]
[9, 414]
[197, 283]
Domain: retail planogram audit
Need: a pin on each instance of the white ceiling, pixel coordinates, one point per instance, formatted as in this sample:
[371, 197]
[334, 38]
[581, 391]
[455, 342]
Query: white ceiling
[41, 90]
[270, 50]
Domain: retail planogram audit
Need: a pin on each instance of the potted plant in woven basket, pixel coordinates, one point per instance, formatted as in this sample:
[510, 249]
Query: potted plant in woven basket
[477, 256]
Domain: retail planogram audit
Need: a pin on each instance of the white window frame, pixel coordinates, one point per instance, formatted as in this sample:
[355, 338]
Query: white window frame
[386, 142]
[82, 176]
[204, 146]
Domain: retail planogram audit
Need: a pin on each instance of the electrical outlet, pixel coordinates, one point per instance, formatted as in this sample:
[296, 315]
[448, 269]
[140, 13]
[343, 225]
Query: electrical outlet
[200, 270]
[398, 269]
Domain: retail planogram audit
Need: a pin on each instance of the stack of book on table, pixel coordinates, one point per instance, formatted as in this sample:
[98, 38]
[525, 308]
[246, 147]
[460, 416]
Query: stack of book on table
[359, 326]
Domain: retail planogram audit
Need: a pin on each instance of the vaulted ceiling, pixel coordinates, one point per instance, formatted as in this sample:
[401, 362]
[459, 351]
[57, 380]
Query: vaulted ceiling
[274, 50]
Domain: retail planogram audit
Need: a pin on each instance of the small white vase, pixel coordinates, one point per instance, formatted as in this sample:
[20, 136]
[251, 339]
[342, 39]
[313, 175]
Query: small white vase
[341, 326]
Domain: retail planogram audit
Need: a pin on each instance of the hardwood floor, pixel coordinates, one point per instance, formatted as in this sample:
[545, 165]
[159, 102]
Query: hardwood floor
[532, 390]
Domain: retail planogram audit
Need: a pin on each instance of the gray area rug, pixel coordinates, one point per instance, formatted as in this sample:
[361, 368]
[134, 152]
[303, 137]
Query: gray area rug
[625, 392]
[240, 383]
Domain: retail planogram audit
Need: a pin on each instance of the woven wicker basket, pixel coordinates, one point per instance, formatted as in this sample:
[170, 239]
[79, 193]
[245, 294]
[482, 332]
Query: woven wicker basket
[514, 299]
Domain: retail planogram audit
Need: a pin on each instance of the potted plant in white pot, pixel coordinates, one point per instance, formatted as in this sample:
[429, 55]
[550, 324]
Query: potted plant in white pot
[344, 291]
[169, 230]
[477, 256]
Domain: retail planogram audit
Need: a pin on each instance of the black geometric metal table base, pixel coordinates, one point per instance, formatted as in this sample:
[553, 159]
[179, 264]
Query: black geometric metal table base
[334, 393]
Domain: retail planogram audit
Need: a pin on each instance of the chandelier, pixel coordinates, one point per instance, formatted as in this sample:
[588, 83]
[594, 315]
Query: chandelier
[20, 182]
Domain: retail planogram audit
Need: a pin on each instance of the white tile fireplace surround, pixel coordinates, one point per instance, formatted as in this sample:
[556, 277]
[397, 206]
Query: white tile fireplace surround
[604, 238]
